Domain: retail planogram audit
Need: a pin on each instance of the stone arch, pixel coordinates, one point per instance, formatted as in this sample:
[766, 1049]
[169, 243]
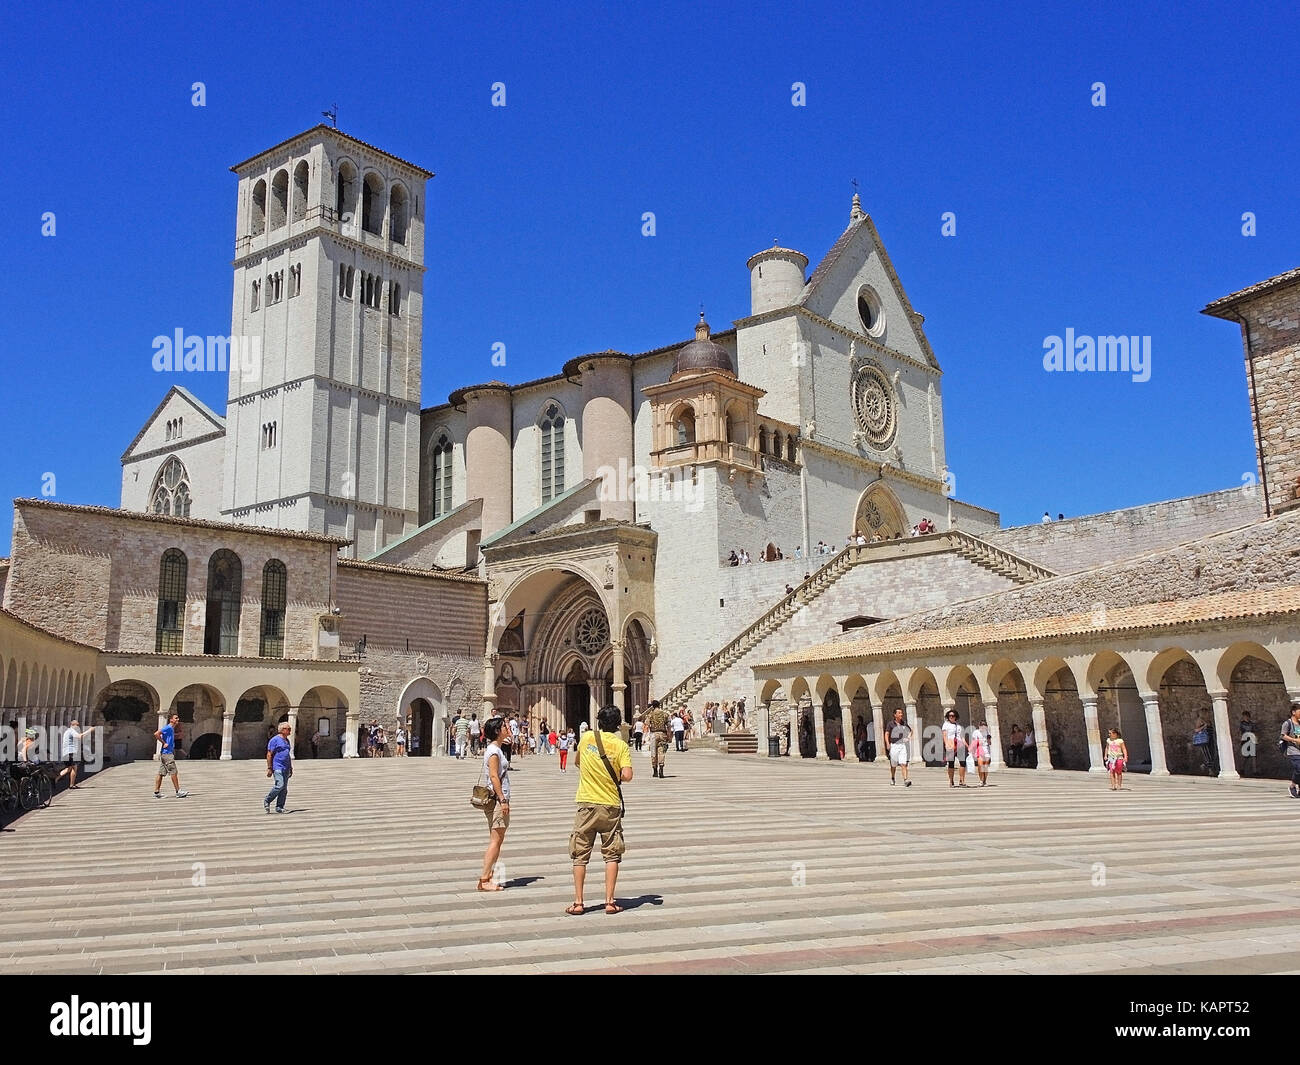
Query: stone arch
[1231, 655]
[372, 203]
[128, 711]
[345, 191]
[256, 712]
[201, 719]
[422, 709]
[1119, 705]
[300, 179]
[1178, 680]
[10, 687]
[1256, 685]
[879, 513]
[1067, 730]
[682, 420]
[257, 209]
[399, 212]
[279, 205]
[860, 717]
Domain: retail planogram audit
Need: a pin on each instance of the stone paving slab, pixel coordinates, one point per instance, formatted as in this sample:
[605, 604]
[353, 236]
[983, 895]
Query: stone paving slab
[735, 865]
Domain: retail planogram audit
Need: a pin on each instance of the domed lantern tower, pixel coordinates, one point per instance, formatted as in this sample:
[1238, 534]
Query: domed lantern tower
[703, 413]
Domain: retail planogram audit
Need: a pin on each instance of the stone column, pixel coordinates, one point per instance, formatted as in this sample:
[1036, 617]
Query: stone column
[1223, 736]
[912, 715]
[1096, 745]
[995, 735]
[763, 724]
[1042, 740]
[1156, 735]
[293, 729]
[593, 701]
[227, 735]
[819, 732]
[157, 744]
[350, 737]
[489, 687]
[620, 681]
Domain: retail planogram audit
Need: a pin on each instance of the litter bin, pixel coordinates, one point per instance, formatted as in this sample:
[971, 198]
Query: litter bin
[774, 746]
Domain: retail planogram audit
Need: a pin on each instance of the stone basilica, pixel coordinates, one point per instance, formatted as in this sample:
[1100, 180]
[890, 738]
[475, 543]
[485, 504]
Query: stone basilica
[328, 552]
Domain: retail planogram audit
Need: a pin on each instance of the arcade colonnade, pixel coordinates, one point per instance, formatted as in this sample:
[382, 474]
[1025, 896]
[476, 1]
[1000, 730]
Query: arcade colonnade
[226, 705]
[1152, 688]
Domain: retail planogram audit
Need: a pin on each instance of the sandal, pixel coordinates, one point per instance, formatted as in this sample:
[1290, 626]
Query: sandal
[576, 910]
[612, 908]
[490, 885]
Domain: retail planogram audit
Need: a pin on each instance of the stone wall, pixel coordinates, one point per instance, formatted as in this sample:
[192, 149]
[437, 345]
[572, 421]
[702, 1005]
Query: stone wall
[1263, 555]
[418, 627]
[889, 588]
[1080, 543]
[91, 575]
[1274, 330]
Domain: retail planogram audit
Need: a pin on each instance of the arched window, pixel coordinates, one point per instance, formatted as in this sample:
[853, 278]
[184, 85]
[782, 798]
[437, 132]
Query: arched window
[762, 439]
[300, 191]
[442, 454]
[685, 425]
[397, 214]
[225, 580]
[257, 220]
[789, 448]
[171, 490]
[172, 573]
[776, 444]
[552, 426]
[274, 583]
[372, 204]
[730, 428]
[345, 200]
[257, 295]
[395, 300]
[279, 199]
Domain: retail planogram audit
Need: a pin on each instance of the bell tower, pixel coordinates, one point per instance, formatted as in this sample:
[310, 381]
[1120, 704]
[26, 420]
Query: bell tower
[323, 407]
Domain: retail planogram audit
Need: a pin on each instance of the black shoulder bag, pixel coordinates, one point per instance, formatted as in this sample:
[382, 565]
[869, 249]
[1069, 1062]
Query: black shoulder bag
[600, 746]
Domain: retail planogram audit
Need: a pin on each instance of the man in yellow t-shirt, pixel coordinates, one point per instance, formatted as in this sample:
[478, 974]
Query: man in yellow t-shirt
[600, 805]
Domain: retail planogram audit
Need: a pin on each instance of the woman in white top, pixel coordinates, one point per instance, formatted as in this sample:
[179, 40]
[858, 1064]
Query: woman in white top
[496, 769]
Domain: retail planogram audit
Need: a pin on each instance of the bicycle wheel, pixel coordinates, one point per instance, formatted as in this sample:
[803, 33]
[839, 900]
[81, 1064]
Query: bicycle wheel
[27, 794]
[8, 797]
[44, 789]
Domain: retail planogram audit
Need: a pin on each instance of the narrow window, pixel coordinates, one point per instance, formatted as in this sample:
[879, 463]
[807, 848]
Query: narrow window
[257, 221]
[171, 602]
[552, 426]
[274, 581]
[442, 455]
[257, 295]
[225, 580]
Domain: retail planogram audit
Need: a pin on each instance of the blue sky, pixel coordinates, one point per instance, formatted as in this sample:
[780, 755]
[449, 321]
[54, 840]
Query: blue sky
[1123, 219]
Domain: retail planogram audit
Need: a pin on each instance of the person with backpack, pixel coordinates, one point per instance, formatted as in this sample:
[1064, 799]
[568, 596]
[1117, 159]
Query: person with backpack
[1289, 745]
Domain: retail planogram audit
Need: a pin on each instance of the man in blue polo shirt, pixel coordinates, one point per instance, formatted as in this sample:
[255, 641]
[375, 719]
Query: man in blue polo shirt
[279, 767]
[167, 758]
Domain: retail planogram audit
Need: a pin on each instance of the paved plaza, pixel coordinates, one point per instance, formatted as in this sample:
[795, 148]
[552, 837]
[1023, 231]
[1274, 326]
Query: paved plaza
[734, 865]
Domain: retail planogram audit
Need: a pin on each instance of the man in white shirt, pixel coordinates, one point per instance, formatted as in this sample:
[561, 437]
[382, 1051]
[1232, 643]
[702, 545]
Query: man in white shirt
[475, 732]
[679, 730]
[70, 749]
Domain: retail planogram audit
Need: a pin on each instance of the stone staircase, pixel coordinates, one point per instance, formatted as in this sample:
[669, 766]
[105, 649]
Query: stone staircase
[738, 743]
[981, 553]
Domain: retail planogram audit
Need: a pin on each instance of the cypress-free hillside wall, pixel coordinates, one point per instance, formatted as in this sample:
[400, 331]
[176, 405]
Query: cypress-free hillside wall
[1080, 543]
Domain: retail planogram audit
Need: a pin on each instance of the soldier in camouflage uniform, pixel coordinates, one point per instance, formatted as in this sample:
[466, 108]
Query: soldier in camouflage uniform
[658, 722]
